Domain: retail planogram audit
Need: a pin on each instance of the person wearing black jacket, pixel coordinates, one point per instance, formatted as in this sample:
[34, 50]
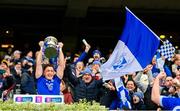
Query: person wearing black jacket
[85, 87]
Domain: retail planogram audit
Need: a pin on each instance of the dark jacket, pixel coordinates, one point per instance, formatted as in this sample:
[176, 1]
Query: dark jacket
[150, 105]
[107, 97]
[139, 106]
[27, 84]
[85, 91]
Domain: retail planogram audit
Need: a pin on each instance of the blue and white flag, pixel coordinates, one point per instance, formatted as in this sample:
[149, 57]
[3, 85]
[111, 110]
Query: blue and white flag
[167, 50]
[134, 50]
[123, 94]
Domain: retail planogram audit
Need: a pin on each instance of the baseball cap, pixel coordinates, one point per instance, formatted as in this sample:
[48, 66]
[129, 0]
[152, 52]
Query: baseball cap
[96, 51]
[17, 52]
[5, 62]
[86, 71]
[139, 94]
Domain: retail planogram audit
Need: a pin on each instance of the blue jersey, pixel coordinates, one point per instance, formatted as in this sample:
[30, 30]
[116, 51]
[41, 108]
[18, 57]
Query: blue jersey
[48, 87]
[169, 103]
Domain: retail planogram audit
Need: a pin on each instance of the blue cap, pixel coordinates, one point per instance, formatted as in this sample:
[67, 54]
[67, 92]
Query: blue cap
[96, 62]
[86, 71]
[96, 51]
[139, 94]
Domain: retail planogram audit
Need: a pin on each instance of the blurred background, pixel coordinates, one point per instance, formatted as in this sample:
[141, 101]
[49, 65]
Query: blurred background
[23, 23]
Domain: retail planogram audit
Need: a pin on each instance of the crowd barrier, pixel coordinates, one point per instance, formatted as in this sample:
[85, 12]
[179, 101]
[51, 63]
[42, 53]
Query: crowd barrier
[38, 99]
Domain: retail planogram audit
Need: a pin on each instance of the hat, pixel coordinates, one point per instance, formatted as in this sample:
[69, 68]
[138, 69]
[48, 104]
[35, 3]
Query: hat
[17, 52]
[7, 57]
[178, 67]
[96, 62]
[86, 71]
[17, 62]
[139, 94]
[5, 62]
[96, 51]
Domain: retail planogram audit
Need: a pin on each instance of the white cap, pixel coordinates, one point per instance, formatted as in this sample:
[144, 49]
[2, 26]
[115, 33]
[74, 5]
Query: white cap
[7, 57]
[17, 52]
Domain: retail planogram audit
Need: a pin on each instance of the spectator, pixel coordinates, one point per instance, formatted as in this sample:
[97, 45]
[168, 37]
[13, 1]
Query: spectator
[97, 56]
[85, 87]
[144, 78]
[16, 57]
[168, 84]
[16, 71]
[7, 80]
[95, 67]
[138, 102]
[110, 95]
[28, 62]
[168, 103]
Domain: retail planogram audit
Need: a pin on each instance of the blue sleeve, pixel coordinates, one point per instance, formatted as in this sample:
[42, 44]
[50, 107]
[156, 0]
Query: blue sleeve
[169, 103]
[167, 70]
[81, 58]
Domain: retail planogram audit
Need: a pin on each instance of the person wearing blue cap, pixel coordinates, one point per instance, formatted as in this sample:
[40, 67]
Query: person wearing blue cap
[96, 69]
[138, 103]
[97, 56]
[85, 87]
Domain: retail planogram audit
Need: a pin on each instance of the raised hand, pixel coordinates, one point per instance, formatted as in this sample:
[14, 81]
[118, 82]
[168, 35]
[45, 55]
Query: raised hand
[41, 43]
[60, 44]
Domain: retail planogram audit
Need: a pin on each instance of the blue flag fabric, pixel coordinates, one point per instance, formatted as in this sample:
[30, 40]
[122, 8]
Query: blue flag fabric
[123, 94]
[134, 50]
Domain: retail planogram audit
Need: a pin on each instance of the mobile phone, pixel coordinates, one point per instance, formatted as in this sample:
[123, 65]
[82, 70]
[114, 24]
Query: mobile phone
[2, 71]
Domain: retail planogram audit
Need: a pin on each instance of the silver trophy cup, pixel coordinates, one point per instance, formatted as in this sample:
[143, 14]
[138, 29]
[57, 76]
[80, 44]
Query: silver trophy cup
[50, 47]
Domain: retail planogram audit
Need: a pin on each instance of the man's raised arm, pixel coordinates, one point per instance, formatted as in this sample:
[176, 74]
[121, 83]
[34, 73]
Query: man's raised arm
[39, 69]
[61, 62]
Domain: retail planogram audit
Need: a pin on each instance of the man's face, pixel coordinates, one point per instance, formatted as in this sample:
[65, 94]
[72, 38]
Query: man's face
[49, 73]
[3, 66]
[96, 67]
[96, 56]
[87, 78]
[18, 66]
[168, 82]
[80, 66]
[17, 55]
[177, 60]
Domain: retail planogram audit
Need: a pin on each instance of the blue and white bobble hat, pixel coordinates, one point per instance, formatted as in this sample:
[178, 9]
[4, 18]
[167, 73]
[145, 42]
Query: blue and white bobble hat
[139, 94]
[86, 71]
[96, 51]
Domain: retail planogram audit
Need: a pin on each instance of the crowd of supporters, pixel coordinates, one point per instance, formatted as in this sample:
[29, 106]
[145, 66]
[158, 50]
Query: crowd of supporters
[77, 79]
